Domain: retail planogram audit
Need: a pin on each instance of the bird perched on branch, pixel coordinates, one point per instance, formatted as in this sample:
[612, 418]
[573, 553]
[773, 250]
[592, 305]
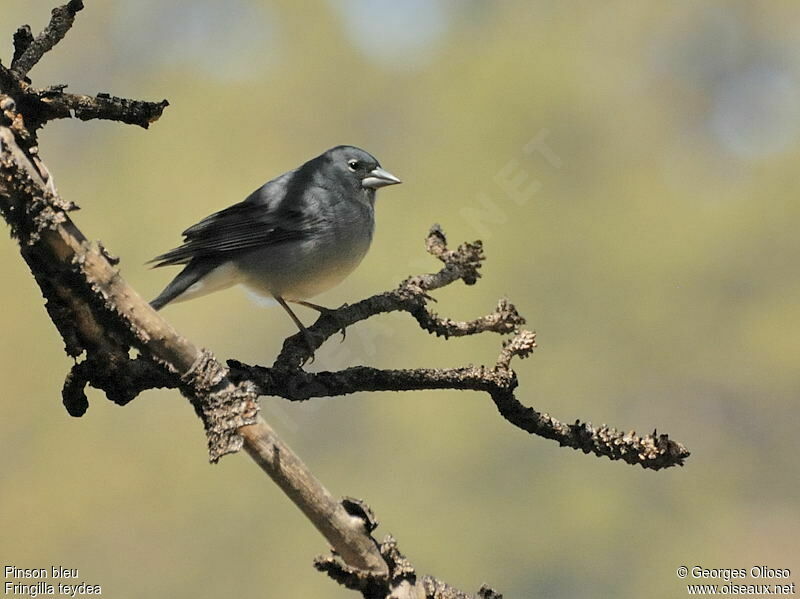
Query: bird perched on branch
[292, 238]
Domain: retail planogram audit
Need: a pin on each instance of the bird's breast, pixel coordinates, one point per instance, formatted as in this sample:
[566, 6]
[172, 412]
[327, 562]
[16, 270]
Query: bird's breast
[305, 268]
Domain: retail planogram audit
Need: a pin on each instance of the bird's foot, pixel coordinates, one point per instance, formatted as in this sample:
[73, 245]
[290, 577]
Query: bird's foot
[329, 312]
[311, 344]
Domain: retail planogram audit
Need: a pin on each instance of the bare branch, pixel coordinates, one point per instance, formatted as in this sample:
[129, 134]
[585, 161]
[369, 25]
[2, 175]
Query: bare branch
[61, 21]
[651, 452]
[42, 105]
[56, 104]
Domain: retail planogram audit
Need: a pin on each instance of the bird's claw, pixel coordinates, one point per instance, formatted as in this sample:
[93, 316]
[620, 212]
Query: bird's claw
[310, 344]
[332, 315]
[329, 312]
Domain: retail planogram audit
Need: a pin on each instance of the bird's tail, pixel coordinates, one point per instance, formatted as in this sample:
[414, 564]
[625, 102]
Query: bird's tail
[188, 284]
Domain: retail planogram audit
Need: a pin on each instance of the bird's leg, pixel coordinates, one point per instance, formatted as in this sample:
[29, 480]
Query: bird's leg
[300, 325]
[317, 307]
[321, 310]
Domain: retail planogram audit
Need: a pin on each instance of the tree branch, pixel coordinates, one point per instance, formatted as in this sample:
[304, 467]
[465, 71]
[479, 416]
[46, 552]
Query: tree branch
[651, 451]
[29, 51]
[60, 105]
[42, 105]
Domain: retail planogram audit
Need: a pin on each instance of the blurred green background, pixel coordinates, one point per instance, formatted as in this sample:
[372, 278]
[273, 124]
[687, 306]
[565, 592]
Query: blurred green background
[632, 170]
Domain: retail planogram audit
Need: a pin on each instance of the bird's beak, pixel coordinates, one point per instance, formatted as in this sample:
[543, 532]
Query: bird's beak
[378, 177]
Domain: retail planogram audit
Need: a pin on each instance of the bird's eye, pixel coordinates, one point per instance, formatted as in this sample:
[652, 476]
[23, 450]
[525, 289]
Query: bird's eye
[353, 164]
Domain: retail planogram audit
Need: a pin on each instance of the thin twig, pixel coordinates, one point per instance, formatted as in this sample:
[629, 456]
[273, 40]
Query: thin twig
[60, 105]
[23, 38]
[61, 21]
[43, 105]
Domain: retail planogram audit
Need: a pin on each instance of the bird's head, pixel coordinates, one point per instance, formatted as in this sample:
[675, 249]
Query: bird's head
[359, 167]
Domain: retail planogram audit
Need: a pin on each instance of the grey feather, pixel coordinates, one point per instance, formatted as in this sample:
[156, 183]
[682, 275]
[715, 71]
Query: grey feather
[191, 274]
[293, 237]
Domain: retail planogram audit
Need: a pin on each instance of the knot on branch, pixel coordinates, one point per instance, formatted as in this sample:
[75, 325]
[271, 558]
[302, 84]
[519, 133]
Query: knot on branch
[402, 582]
[371, 585]
[205, 374]
[222, 405]
[359, 509]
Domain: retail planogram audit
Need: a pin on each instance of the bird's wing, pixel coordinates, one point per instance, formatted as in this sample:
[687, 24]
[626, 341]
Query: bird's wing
[263, 219]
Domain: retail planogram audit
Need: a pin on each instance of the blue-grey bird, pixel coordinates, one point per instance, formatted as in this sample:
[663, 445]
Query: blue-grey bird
[292, 238]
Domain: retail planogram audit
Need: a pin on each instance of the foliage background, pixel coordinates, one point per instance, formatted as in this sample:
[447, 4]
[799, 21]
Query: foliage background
[655, 255]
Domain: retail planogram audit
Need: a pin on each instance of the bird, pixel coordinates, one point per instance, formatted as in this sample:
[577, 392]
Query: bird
[294, 237]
